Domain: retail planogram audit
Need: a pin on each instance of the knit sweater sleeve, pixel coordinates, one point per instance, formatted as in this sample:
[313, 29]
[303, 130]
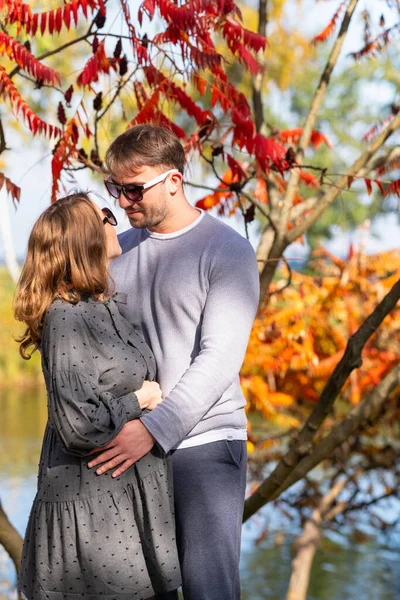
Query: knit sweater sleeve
[227, 319]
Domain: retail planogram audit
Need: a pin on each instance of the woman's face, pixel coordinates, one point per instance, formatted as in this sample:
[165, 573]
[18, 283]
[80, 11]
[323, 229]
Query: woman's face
[112, 244]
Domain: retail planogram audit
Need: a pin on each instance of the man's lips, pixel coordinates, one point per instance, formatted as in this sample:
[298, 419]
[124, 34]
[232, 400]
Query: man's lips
[132, 212]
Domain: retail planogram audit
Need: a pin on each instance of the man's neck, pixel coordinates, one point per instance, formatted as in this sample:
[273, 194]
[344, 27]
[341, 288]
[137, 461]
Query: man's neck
[177, 221]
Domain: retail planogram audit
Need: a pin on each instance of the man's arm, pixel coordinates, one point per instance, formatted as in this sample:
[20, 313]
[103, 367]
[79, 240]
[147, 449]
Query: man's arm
[228, 316]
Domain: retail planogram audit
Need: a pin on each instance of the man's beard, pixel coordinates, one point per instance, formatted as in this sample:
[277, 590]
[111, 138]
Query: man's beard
[150, 217]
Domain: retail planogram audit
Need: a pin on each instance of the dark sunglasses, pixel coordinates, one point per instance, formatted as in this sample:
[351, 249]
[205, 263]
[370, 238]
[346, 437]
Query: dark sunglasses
[133, 192]
[109, 217]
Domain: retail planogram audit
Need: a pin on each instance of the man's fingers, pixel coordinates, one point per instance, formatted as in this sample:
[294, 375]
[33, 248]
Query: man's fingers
[100, 448]
[111, 464]
[122, 468]
[103, 457]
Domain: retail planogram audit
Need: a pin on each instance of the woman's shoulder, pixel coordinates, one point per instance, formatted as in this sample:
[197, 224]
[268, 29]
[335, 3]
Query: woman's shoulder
[66, 315]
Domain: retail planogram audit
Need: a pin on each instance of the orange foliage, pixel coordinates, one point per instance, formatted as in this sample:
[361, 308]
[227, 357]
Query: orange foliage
[301, 336]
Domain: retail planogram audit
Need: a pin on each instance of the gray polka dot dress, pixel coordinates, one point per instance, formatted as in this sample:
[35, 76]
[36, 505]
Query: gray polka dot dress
[91, 536]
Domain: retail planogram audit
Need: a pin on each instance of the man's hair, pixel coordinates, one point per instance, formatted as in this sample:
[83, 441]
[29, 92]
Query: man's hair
[144, 146]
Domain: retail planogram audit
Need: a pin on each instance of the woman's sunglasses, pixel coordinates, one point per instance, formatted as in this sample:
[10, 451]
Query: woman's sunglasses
[109, 217]
[133, 192]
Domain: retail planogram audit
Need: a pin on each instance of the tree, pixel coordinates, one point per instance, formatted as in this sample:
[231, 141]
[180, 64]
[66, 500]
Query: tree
[144, 76]
[295, 344]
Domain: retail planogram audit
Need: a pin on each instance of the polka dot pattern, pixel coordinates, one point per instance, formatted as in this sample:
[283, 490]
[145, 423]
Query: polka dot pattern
[88, 536]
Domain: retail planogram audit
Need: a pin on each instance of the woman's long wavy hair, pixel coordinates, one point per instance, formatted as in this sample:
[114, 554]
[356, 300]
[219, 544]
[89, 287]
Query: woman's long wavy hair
[66, 258]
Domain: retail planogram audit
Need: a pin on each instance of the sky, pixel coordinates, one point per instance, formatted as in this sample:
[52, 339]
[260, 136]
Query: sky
[30, 167]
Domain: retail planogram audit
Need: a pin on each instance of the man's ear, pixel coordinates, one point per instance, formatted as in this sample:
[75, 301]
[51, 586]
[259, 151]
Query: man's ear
[175, 182]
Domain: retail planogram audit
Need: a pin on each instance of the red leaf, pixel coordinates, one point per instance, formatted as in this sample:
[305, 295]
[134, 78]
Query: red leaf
[149, 7]
[43, 22]
[34, 24]
[74, 8]
[68, 94]
[369, 186]
[376, 45]
[309, 179]
[98, 63]
[350, 180]
[329, 29]
[235, 167]
[393, 188]
[292, 136]
[11, 188]
[18, 105]
[61, 114]
[67, 15]
[84, 7]
[51, 22]
[26, 60]
[268, 152]
[380, 186]
[59, 19]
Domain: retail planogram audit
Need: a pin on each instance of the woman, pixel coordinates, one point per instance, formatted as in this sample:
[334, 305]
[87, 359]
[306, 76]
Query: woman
[90, 536]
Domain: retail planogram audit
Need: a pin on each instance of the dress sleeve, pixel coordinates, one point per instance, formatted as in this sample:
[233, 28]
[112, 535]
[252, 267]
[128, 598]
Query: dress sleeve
[83, 417]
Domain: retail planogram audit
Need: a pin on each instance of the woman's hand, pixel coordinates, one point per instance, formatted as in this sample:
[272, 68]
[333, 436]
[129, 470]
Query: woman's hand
[149, 395]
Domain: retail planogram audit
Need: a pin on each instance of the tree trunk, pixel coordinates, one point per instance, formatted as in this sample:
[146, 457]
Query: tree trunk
[10, 539]
[305, 548]
[306, 545]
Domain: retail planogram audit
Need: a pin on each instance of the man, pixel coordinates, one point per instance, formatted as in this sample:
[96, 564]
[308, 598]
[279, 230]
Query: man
[193, 288]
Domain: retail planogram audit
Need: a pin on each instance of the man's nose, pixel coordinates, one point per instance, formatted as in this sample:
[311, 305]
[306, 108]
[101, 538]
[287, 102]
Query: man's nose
[123, 202]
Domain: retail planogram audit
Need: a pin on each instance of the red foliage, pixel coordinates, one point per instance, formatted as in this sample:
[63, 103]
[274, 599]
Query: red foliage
[239, 40]
[329, 29]
[376, 129]
[24, 59]
[376, 45]
[369, 186]
[12, 189]
[63, 152]
[292, 136]
[18, 105]
[51, 21]
[310, 180]
[98, 63]
[393, 188]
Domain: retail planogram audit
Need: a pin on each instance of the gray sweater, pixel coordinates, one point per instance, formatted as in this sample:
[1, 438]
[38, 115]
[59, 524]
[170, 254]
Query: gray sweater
[194, 295]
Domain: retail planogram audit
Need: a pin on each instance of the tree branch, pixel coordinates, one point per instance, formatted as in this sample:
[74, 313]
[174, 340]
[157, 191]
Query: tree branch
[3, 145]
[57, 50]
[366, 411]
[257, 84]
[312, 115]
[328, 198]
[301, 446]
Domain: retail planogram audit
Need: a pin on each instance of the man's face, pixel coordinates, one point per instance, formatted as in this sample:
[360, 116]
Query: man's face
[153, 209]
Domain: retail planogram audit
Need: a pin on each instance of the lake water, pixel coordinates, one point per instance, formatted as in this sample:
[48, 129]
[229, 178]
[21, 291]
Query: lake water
[342, 570]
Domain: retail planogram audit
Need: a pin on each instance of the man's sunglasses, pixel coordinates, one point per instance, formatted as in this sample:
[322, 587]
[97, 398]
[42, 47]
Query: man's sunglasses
[133, 192]
[109, 217]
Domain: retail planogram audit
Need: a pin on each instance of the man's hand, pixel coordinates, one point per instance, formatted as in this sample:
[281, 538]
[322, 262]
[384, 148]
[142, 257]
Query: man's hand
[131, 443]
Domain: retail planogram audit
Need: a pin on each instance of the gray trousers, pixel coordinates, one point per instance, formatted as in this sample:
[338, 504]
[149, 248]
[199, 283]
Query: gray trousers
[209, 487]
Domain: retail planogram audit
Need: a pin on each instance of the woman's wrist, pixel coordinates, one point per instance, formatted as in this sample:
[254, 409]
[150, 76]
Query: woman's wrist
[143, 397]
